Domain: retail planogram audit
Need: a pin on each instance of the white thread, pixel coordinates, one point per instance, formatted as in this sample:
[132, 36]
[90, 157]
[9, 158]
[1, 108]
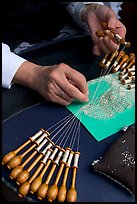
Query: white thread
[118, 36]
[123, 72]
[132, 68]
[76, 158]
[127, 81]
[41, 145]
[117, 67]
[54, 153]
[124, 76]
[132, 73]
[70, 159]
[124, 65]
[48, 147]
[46, 156]
[41, 138]
[115, 64]
[36, 135]
[103, 61]
[108, 63]
[65, 156]
[58, 157]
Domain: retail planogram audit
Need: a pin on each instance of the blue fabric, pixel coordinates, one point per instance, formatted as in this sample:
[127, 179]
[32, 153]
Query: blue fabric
[91, 187]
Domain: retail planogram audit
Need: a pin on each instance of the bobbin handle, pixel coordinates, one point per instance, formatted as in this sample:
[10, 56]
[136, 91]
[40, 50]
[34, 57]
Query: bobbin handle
[103, 34]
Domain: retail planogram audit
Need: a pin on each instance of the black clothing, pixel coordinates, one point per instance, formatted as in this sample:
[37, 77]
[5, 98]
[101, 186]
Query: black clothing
[32, 21]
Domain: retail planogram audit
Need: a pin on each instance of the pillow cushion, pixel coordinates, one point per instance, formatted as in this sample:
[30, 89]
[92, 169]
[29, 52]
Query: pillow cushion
[118, 162]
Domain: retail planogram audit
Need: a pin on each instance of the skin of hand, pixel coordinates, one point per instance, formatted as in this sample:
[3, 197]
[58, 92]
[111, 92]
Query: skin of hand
[94, 16]
[57, 83]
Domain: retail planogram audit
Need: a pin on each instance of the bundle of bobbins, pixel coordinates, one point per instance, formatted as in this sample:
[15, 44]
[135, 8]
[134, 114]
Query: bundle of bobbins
[118, 61]
[46, 153]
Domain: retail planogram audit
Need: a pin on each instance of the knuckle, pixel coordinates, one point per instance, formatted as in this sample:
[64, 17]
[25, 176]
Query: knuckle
[52, 74]
[61, 64]
[72, 93]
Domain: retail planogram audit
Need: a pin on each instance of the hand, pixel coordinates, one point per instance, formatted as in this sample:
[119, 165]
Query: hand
[94, 17]
[58, 83]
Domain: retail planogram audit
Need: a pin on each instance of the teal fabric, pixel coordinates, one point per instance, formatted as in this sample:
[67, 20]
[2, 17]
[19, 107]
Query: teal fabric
[111, 106]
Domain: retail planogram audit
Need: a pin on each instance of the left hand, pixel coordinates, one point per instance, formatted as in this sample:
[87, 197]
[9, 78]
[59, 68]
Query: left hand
[94, 17]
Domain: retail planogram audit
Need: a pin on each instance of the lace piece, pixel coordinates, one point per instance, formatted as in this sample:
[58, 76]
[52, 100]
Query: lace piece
[111, 107]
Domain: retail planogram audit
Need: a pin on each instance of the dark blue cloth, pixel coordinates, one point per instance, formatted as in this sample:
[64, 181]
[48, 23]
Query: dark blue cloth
[91, 187]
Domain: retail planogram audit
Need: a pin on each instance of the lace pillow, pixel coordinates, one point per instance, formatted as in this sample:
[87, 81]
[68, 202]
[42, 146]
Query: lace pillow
[118, 162]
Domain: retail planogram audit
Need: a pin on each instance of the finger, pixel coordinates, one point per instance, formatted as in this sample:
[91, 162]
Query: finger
[121, 29]
[96, 51]
[59, 92]
[72, 90]
[57, 99]
[103, 47]
[77, 79]
[110, 45]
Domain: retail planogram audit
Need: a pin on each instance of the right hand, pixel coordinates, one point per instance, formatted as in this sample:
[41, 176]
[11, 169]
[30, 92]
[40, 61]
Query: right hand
[57, 83]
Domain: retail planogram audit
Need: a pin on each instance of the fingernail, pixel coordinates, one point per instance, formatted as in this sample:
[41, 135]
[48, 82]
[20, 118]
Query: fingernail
[87, 99]
[87, 92]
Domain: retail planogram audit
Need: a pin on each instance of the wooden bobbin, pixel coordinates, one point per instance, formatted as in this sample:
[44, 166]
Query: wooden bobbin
[127, 81]
[12, 154]
[53, 190]
[121, 40]
[131, 56]
[106, 33]
[123, 76]
[122, 73]
[109, 34]
[127, 44]
[132, 62]
[104, 25]
[24, 175]
[131, 69]
[103, 61]
[15, 161]
[130, 74]
[100, 33]
[72, 193]
[18, 169]
[113, 55]
[63, 190]
[38, 181]
[42, 190]
[120, 55]
[124, 58]
[25, 187]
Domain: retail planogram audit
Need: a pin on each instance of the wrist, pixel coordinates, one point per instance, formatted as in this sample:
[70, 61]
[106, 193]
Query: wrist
[26, 73]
